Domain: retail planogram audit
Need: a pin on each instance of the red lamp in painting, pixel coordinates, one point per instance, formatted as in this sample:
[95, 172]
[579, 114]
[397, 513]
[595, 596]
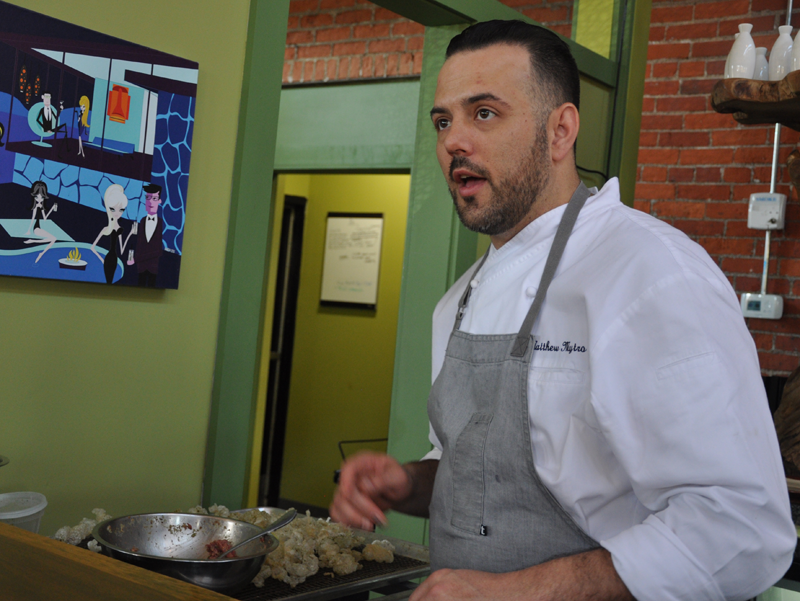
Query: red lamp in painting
[119, 104]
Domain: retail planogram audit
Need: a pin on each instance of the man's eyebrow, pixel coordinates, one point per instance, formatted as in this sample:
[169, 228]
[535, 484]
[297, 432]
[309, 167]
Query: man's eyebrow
[437, 110]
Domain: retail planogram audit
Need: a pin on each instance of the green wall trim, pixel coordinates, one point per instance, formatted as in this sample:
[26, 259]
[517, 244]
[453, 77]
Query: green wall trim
[342, 127]
[233, 401]
[429, 13]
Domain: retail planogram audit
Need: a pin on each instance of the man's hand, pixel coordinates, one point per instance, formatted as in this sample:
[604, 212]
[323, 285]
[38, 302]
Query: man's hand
[369, 484]
[586, 576]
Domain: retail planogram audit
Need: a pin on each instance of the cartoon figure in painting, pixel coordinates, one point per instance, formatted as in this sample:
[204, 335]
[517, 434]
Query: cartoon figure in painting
[38, 196]
[2, 131]
[83, 124]
[149, 247]
[48, 119]
[115, 203]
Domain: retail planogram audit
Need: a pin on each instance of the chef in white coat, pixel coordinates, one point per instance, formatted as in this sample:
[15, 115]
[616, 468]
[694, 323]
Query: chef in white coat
[599, 424]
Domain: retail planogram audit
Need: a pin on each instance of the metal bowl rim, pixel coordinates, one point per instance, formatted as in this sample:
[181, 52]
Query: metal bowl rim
[96, 534]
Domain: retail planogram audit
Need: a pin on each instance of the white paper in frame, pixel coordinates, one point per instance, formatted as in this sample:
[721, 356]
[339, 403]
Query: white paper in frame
[352, 259]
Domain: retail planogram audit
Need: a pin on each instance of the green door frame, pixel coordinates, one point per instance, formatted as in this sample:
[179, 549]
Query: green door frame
[438, 249]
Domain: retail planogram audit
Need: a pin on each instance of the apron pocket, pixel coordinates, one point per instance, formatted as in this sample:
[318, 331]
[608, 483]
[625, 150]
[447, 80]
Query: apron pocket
[468, 482]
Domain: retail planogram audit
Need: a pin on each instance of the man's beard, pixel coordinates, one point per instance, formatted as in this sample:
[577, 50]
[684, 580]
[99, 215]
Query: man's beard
[511, 198]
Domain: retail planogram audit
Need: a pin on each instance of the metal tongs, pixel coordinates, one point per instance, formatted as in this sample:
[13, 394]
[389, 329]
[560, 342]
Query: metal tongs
[282, 521]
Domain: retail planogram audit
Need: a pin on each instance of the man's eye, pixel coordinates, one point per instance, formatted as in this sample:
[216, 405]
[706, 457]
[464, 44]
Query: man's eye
[441, 123]
[485, 114]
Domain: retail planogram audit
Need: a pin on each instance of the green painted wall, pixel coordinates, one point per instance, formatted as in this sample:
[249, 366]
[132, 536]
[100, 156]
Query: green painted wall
[343, 363]
[106, 391]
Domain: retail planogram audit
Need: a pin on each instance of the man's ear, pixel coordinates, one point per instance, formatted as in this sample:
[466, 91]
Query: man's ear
[563, 125]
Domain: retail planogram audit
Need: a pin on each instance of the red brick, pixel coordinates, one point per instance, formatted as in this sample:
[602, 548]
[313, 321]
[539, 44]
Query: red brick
[683, 104]
[297, 72]
[661, 88]
[383, 46]
[642, 205]
[308, 70]
[790, 267]
[565, 30]
[354, 16]
[654, 174]
[648, 138]
[313, 51]
[287, 69]
[763, 341]
[781, 364]
[349, 48]
[680, 174]
[788, 325]
[657, 33]
[738, 229]
[788, 343]
[415, 44]
[726, 210]
[697, 86]
[406, 66]
[654, 191]
[708, 121]
[708, 174]
[380, 66]
[699, 227]
[408, 28]
[302, 6]
[706, 156]
[703, 192]
[391, 65]
[657, 51]
[715, 68]
[380, 30]
[662, 121]
[716, 48]
[692, 69]
[417, 63]
[293, 23]
[332, 68]
[359, 68]
[648, 105]
[737, 174]
[334, 34]
[384, 14]
[316, 20]
[754, 154]
[788, 248]
[730, 27]
[332, 4]
[658, 156]
[665, 69]
[743, 191]
[739, 137]
[727, 246]
[674, 208]
[683, 139]
[714, 10]
[693, 31]
[773, 5]
[300, 37]
[547, 14]
[319, 71]
[289, 54]
[731, 265]
[672, 14]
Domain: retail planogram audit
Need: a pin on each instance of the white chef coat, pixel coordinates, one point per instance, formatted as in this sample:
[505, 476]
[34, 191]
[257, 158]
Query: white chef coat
[649, 419]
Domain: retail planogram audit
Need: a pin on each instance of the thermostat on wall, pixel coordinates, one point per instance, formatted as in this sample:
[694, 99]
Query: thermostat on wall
[763, 306]
[766, 211]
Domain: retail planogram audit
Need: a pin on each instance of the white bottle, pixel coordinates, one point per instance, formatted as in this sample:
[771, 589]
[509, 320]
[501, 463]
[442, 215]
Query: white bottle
[796, 53]
[762, 66]
[741, 60]
[780, 57]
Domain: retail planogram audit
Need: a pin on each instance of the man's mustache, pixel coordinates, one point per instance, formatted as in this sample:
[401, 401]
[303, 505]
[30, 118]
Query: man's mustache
[459, 162]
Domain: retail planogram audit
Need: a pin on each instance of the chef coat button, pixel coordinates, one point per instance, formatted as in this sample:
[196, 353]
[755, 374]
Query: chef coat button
[473, 284]
[530, 291]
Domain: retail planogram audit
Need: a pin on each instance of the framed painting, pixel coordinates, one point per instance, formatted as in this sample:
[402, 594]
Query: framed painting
[95, 148]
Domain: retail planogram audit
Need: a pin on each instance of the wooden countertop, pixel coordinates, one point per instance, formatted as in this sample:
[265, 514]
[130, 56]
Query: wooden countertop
[34, 567]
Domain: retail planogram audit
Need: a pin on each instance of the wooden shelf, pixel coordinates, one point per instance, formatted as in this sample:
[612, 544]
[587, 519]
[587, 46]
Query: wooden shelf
[754, 102]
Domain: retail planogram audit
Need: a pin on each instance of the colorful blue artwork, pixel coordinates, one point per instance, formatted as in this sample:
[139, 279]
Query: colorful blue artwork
[95, 148]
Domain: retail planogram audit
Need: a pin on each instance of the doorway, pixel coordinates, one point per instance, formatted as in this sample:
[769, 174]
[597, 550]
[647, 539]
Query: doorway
[330, 383]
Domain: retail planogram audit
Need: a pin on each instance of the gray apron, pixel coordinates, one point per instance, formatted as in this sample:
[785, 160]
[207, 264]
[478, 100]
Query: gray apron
[489, 510]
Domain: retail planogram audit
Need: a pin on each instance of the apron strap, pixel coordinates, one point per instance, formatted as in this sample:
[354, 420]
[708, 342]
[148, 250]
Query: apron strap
[462, 304]
[556, 250]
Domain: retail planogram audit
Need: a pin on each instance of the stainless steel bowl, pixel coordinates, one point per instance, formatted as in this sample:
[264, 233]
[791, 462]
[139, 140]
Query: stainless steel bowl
[174, 544]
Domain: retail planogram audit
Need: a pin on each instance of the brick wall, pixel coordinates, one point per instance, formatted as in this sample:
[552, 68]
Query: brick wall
[331, 40]
[698, 168]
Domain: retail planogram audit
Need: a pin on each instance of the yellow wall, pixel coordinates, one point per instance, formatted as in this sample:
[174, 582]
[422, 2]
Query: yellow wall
[341, 383]
[106, 392]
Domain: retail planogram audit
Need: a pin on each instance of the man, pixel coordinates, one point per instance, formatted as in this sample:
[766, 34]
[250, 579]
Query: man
[608, 436]
[48, 119]
[149, 245]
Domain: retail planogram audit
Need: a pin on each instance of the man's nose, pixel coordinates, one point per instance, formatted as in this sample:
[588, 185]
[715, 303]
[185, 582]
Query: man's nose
[458, 140]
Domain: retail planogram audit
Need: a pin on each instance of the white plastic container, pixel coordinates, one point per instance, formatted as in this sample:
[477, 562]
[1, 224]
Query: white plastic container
[780, 57]
[22, 509]
[762, 65]
[741, 61]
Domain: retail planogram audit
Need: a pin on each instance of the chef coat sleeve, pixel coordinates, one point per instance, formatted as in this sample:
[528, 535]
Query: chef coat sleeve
[677, 390]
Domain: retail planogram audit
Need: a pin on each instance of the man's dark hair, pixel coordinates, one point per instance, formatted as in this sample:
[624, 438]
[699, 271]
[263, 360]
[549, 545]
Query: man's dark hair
[554, 68]
[152, 188]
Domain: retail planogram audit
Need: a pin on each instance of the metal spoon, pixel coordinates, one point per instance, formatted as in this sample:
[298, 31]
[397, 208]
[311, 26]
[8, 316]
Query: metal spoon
[282, 521]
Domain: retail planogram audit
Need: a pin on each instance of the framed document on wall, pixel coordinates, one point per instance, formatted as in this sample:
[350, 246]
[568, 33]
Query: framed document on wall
[351, 264]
